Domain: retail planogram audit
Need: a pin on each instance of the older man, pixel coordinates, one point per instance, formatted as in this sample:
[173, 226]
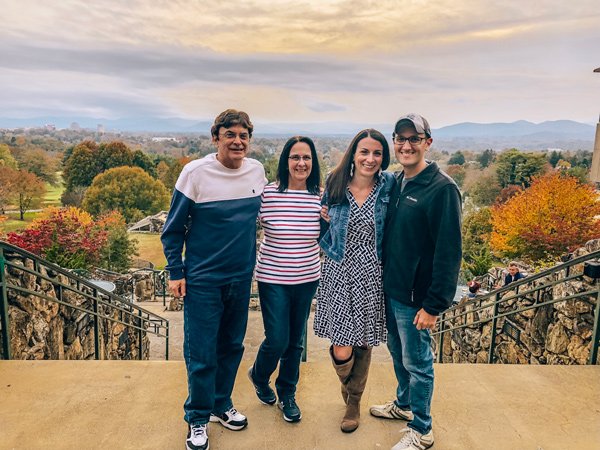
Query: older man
[421, 260]
[213, 212]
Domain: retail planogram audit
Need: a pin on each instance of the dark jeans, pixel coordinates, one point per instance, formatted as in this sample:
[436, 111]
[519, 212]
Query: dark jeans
[413, 363]
[214, 322]
[285, 309]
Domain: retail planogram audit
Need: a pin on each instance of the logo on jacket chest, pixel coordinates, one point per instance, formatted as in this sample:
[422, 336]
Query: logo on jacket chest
[412, 199]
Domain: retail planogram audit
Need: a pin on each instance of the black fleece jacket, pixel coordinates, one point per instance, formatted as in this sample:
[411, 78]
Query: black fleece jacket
[422, 241]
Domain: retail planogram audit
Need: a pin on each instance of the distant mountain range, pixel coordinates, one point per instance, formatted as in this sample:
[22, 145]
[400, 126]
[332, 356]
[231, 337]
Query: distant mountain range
[565, 134]
[565, 128]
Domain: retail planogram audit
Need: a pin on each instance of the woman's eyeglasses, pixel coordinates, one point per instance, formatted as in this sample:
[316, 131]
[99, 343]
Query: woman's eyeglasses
[297, 158]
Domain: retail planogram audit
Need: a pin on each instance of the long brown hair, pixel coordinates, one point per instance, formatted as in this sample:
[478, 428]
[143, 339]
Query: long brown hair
[338, 180]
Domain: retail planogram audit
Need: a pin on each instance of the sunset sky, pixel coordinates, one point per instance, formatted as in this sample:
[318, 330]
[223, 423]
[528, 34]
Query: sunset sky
[363, 62]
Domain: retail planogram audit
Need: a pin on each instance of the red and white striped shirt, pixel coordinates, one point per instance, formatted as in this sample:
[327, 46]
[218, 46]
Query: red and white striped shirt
[289, 252]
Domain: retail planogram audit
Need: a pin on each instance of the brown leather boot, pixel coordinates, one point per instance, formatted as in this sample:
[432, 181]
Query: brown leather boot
[355, 387]
[343, 372]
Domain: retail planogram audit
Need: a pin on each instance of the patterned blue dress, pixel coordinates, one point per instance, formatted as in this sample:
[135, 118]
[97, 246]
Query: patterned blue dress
[350, 305]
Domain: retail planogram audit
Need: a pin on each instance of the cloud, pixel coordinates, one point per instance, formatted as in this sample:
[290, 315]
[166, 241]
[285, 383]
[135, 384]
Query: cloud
[172, 66]
[346, 60]
[325, 107]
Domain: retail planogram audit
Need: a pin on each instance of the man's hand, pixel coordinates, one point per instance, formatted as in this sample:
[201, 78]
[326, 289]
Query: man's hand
[424, 320]
[177, 287]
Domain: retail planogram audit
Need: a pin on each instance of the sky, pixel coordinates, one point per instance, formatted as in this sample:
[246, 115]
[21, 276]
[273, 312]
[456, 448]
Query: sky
[338, 61]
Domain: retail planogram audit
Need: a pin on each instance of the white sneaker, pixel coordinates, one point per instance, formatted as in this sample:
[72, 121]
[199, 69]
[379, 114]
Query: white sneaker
[413, 440]
[391, 411]
[197, 439]
[232, 419]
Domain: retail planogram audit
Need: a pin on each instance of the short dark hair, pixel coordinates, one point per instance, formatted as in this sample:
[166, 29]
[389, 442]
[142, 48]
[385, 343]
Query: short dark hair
[229, 118]
[474, 286]
[313, 182]
[340, 176]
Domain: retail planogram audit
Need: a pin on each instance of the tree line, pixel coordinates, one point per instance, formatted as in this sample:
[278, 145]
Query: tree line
[100, 178]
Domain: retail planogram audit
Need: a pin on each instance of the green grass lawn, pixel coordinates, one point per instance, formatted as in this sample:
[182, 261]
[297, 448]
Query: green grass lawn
[53, 193]
[150, 248]
[52, 197]
[14, 224]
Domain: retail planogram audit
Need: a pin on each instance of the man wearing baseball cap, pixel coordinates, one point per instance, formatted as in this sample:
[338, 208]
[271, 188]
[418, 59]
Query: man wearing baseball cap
[421, 260]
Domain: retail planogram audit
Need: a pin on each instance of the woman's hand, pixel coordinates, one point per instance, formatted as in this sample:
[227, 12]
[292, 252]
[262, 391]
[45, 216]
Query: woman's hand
[324, 213]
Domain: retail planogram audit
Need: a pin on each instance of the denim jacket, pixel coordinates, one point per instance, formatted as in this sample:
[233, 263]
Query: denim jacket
[333, 241]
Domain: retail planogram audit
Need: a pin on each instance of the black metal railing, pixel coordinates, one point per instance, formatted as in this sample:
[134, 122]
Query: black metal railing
[99, 304]
[530, 293]
[159, 282]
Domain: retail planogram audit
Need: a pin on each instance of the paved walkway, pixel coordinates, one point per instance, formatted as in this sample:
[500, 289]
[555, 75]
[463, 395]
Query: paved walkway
[317, 347]
[137, 405]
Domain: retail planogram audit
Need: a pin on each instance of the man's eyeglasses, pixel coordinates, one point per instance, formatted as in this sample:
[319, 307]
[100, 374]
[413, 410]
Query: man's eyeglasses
[230, 136]
[413, 140]
[297, 158]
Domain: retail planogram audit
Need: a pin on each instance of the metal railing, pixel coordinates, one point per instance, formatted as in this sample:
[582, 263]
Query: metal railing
[99, 305]
[159, 282]
[530, 293]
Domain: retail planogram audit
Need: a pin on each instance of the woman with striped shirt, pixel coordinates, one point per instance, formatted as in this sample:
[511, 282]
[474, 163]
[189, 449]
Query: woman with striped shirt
[287, 271]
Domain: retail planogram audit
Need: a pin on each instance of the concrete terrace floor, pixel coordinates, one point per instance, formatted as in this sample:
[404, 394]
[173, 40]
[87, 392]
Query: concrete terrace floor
[137, 404]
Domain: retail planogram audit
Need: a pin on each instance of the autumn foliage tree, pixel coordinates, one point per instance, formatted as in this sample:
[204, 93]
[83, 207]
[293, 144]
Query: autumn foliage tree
[81, 165]
[117, 255]
[485, 190]
[67, 237]
[458, 173]
[168, 172]
[129, 190]
[28, 191]
[7, 176]
[72, 238]
[41, 163]
[554, 215]
[6, 157]
[20, 188]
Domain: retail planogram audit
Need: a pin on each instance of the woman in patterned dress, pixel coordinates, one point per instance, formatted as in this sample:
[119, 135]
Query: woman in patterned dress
[287, 271]
[350, 305]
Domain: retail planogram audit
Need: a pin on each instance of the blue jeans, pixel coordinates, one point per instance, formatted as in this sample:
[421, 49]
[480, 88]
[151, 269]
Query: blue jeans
[413, 363]
[214, 323]
[285, 309]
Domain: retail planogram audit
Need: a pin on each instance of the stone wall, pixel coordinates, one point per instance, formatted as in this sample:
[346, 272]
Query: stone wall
[140, 282]
[43, 329]
[558, 333]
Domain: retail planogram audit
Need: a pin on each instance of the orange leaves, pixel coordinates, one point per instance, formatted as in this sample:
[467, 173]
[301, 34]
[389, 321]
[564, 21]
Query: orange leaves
[553, 216]
[69, 216]
[66, 236]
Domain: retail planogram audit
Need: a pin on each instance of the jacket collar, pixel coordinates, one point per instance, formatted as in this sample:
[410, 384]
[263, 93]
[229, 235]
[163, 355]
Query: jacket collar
[425, 176]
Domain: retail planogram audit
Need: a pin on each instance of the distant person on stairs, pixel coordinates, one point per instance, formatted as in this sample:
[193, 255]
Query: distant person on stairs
[213, 214]
[513, 273]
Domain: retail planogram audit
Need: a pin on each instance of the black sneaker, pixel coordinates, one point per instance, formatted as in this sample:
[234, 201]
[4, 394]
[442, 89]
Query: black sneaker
[197, 439]
[264, 393]
[291, 412]
[231, 419]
